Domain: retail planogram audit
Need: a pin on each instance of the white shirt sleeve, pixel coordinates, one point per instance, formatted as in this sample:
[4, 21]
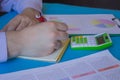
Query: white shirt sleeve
[20, 5]
[3, 47]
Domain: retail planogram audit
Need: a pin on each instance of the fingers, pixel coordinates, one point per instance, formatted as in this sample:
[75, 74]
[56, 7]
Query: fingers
[11, 25]
[61, 35]
[55, 46]
[62, 26]
[19, 23]
[58, 44]
[57, 29]
[23, 24]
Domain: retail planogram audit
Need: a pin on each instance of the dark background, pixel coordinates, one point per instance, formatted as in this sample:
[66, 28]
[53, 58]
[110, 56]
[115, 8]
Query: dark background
[106, 4]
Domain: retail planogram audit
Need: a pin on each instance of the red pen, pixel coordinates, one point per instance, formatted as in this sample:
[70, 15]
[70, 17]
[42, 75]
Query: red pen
[40, 18]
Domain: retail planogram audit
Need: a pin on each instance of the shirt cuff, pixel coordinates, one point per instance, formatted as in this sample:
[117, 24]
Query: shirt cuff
[3, 47]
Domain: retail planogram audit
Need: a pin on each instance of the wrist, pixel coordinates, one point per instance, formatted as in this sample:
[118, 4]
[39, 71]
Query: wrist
[13, 43]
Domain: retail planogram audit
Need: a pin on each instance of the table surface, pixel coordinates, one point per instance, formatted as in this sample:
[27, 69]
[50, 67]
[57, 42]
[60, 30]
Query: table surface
[18, 64]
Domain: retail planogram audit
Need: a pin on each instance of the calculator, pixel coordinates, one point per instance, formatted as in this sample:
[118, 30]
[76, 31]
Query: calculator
[91, 42]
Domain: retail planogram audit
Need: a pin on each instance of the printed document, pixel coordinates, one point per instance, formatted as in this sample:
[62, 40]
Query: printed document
[98, 66]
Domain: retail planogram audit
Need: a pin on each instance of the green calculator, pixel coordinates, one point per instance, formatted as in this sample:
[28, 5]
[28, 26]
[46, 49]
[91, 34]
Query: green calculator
[91, 42]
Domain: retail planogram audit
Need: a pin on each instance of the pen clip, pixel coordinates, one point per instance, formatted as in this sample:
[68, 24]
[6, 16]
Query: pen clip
[117, 21]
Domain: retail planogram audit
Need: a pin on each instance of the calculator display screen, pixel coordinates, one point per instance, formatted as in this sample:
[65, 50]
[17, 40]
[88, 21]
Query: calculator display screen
[100, 39]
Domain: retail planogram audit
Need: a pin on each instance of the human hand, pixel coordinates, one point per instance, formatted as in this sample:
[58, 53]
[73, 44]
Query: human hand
[36, 41]
[25, 19]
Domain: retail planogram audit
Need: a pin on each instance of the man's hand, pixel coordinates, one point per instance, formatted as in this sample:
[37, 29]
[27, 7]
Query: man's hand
[25, 19]
[36, 41]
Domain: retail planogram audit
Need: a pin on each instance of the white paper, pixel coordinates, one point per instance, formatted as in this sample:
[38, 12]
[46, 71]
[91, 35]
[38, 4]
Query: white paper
[98, 66]
[88, 23]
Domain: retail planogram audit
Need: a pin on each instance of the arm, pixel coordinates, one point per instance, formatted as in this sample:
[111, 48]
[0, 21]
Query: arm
[20, 5]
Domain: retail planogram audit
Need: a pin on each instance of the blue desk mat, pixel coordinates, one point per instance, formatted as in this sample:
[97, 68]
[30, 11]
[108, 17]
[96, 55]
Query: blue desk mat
[18, 64]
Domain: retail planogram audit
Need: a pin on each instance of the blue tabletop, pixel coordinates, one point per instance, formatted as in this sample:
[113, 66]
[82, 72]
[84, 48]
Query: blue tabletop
[18, 64]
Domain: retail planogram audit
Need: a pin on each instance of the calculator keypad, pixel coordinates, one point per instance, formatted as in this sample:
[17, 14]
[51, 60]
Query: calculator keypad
[83, 41]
